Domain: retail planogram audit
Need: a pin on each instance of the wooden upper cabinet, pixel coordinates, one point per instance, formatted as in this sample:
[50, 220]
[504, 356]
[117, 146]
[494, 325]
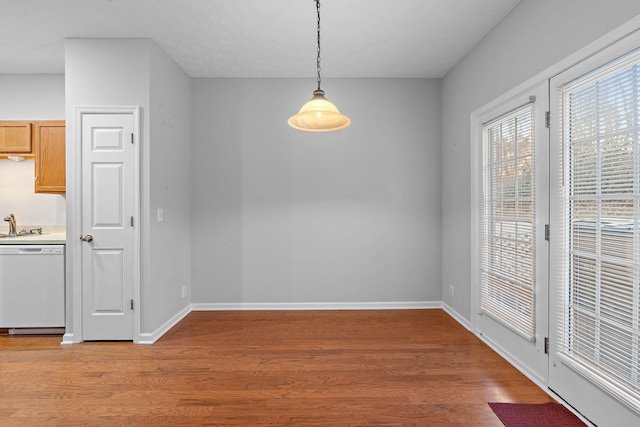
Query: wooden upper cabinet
[49, 150]
[15, 137]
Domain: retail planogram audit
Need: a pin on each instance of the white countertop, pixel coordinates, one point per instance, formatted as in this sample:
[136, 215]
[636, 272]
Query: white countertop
[53, 236]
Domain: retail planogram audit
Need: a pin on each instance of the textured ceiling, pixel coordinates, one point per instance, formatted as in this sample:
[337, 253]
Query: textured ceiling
[257, 38]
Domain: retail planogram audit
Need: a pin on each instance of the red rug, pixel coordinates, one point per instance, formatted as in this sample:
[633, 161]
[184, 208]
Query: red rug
[535, 415]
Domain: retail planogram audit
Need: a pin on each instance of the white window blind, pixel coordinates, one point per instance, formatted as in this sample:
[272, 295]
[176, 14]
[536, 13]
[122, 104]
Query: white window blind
[507, 255]
[601, 232]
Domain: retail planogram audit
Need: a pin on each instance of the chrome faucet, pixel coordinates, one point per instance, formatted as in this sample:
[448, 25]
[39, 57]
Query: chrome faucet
[13, 230]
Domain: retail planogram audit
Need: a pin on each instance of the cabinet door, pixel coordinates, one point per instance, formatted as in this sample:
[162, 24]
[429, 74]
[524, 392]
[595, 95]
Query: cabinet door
[49, 147]
[15, 137]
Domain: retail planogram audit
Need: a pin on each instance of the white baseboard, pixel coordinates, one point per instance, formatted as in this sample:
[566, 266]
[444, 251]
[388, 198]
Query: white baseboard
[540, 382]
[457, 316]
[150, 338]
[68, 339]
[537, 380]
[400, 305]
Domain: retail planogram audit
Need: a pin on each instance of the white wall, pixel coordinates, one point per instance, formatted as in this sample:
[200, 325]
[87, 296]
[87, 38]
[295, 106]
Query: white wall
[29, 97]
[534, 36]
[135, 72]
[283, 216]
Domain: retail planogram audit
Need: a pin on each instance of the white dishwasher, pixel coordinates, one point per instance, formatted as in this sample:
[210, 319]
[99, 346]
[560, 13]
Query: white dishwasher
[32, 286]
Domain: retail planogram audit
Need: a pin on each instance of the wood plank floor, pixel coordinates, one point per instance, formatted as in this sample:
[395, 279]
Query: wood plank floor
[266, 368]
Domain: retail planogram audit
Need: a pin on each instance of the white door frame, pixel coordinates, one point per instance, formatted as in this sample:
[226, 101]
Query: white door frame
[74, 201]
[592, 393]
[625, 31]
[537, 94]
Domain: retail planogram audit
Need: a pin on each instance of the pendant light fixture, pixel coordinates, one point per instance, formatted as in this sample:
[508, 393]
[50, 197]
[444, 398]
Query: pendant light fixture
[319, 115]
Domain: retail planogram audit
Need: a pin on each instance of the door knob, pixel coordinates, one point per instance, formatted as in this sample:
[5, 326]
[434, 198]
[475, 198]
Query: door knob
[88, 238]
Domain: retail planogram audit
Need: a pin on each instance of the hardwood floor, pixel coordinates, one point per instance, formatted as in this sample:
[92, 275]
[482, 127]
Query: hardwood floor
[266, 368]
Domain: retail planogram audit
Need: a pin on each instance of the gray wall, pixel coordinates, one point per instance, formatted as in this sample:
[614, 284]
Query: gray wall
[534, 36]
[167, 263]
[283, 216]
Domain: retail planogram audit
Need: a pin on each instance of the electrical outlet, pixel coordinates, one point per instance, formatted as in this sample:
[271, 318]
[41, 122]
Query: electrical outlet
[184, 291]
[451, 291]
[160, 214]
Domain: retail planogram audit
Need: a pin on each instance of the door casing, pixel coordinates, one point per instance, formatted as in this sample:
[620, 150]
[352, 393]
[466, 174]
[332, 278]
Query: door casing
[74, 230]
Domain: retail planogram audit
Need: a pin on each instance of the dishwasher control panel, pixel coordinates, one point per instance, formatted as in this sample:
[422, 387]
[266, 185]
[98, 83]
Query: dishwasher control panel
[52, 251]
[34, 250]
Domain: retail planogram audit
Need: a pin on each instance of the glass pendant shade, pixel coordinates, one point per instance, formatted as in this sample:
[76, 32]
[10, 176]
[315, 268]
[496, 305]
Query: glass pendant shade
[319, 115]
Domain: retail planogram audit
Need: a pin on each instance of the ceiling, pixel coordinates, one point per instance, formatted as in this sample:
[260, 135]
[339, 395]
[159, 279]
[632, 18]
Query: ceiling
[258, 38]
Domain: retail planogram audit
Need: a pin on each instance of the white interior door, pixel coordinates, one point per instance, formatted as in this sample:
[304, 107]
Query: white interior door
[595, 246]
[108, 207]
[510, 253]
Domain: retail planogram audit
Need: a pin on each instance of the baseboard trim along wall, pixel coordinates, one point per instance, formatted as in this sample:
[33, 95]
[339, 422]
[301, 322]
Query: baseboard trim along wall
[68, 339]
[451, 312]
[150, 338]
[400, 305]
[540, 382]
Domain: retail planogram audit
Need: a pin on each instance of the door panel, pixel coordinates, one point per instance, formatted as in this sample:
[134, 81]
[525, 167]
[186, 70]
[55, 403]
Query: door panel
[511, 283]
[107, 139]
[108, 201]
[108, 195]
[109, 287]
[595, 211]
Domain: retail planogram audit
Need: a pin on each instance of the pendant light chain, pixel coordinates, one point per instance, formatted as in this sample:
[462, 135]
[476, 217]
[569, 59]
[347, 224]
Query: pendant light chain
[318, 58]
[318, 114]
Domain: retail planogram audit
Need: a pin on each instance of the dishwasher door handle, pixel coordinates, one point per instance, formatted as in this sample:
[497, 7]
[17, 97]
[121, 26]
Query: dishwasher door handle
[30, 250]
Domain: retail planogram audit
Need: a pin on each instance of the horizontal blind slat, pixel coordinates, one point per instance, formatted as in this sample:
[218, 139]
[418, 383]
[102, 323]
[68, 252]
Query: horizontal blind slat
[602, 235]
[508, 221]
